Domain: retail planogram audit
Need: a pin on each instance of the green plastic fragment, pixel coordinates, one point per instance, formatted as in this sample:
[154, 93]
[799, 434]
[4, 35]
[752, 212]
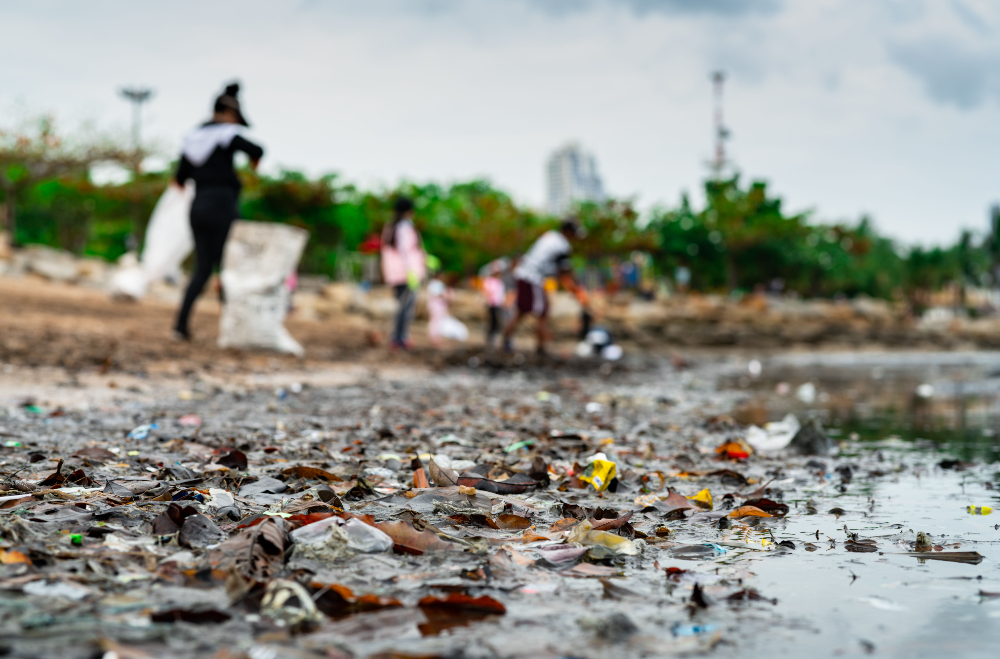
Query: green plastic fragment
[76, 539]
[519, 445]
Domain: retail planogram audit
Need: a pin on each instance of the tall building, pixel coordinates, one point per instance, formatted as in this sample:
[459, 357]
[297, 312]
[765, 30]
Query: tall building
[572, 177]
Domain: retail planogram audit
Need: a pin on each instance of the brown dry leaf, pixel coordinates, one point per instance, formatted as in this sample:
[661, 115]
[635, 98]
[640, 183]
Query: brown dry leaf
[460, 601]
[509, 522]
[749, 511]
[531, 536]
[608, 524]
[13, 556]
[676, 500]
[408, 540]
[301, 471]
[768, 506]
[95, 453]
[441, 476]
[516, 484]
[564, 524]
[456, 610]
[258, 552]
[337, 600]
[420, 479]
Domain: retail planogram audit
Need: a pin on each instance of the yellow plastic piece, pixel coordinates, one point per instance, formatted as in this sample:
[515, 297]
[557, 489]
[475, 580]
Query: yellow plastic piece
[980, 510]
[599, 473]
[703, 499]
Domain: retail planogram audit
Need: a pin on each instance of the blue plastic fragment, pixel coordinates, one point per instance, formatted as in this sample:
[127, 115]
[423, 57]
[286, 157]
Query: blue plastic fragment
[141, 432]
[692, 630]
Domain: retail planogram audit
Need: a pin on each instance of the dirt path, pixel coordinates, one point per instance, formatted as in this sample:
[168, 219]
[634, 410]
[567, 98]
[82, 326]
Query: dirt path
[78, 328]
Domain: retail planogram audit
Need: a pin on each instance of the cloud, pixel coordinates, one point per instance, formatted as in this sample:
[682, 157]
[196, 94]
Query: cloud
[950, 74]
[641, 8]
[715, 7]
[969, 17]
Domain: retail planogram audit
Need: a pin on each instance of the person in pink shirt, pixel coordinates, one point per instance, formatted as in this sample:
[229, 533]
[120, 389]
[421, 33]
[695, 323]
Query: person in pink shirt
[403, 267]
[494, 293]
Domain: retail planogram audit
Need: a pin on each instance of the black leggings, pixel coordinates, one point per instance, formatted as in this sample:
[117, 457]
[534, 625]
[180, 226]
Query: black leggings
[212, 214]
[496, 324]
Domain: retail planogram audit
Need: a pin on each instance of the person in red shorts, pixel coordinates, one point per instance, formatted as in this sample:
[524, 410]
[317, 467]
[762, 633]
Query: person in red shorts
[547, 257]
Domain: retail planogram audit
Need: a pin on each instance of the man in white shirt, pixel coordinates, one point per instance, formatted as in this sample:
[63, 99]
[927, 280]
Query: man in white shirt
[548, 257]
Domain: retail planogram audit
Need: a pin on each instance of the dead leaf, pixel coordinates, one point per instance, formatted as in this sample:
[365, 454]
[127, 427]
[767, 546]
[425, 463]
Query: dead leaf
[408, 540]
[11, 556]
[460, 601]
[767, 505]
[235, 459]
[748, 511]
[456, 610]
[516, 484]
[301, 471]
[531, 536]
[970, 557]
[508, 522]
[564, 524]
[338, 601]
[609, 524]
[257, 552]
[95, 453]
[441, 476]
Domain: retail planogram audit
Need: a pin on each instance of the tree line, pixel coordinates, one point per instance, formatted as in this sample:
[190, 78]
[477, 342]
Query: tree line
[741, 239]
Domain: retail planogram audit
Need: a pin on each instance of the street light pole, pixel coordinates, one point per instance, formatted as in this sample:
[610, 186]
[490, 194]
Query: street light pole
[137, 96]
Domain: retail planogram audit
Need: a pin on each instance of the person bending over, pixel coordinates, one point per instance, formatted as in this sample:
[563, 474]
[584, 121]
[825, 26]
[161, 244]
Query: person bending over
[207, 159]
[547, 257]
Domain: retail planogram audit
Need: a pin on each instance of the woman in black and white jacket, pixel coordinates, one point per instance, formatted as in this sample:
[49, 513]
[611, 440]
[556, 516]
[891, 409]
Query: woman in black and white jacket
[207, 159]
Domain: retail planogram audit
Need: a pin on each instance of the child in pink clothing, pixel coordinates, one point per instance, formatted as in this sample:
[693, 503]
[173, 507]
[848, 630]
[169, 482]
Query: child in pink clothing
[403, 267]
[494, 293]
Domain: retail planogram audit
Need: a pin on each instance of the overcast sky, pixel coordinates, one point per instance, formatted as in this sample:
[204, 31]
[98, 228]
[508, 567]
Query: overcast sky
[884, 107]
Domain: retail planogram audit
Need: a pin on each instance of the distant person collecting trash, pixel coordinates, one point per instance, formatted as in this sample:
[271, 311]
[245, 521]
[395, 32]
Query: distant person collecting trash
[404, 265]
[494, 294]
[548, 257]
[207, 159]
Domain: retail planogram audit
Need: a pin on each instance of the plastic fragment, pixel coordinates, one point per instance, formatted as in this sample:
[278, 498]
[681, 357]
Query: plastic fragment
[703, 499]
[599, 473]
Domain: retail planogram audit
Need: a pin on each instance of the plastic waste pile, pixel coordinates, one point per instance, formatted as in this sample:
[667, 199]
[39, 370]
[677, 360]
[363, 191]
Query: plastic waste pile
[422, 518]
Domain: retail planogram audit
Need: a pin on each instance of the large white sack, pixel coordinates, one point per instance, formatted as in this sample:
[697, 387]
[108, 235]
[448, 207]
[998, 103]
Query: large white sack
[168, 242]
[258, 258]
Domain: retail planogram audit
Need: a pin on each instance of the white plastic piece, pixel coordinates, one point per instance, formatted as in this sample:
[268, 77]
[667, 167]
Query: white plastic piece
[773, 436]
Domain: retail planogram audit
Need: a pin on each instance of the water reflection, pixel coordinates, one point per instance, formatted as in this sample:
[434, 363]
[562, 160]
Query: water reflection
[949, 400]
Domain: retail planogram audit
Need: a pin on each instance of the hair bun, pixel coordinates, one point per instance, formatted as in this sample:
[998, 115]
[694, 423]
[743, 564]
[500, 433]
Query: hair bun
[233, 89]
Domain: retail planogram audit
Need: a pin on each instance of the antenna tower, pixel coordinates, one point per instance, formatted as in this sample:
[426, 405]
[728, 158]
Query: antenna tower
[721, 132]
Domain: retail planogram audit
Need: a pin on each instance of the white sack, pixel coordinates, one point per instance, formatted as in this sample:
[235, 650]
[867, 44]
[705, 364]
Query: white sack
[258, 258]
[453, 328]
[168, 242]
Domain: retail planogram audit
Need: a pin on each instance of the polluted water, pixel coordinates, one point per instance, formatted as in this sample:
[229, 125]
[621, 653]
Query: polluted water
[657, 509]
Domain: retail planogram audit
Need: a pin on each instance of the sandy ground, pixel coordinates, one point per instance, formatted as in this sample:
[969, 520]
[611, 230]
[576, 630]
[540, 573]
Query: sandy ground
[72, 346]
